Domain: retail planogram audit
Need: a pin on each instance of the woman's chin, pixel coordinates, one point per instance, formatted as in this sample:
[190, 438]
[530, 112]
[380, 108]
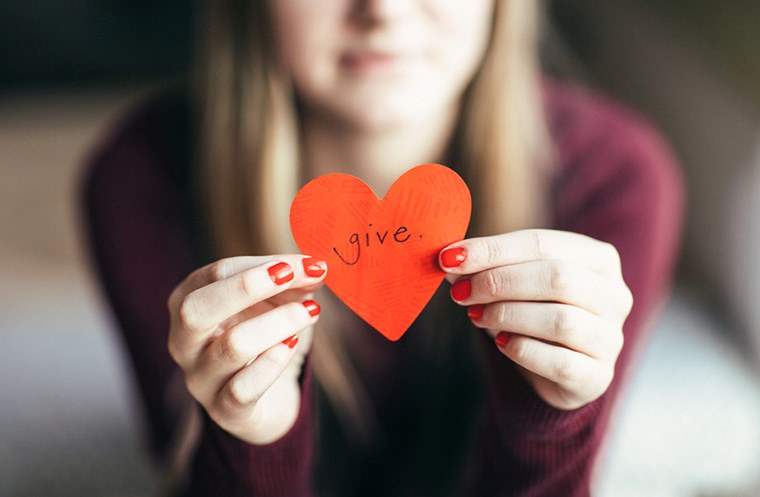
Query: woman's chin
[383, 116]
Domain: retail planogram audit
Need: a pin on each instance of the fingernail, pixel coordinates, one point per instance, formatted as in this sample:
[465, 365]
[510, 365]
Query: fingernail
[461, 289]
[501, 339]
[453, 257]
[293, 343]
[314, 267]
[312, 307]
[287, 340]
[475, 312]
[281, 273]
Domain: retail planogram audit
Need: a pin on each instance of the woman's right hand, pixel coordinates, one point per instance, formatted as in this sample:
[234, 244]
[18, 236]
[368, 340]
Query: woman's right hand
[232, 332]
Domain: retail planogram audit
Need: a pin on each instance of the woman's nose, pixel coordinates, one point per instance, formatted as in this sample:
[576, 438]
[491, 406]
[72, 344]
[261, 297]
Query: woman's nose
[382, 11]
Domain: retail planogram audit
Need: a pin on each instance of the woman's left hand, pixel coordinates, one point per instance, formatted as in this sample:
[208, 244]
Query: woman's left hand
[555, 302]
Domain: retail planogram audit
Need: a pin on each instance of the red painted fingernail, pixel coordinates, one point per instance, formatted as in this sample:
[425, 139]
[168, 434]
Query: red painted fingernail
[281, 273]
[461, 289]
[314, 267]
[311, 306]
[453, 257]
[501, 339]
[293, 343]
[287, 340]
[475, 312]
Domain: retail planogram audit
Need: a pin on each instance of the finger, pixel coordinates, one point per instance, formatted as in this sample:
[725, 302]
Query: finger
[293, 295]
[477, 254]
[239, 395]
[545, 281]
[561, 365]
[562, 324]
[203, 309]
[286, 297]
[245, 341]
[215, 271]
[227, 267]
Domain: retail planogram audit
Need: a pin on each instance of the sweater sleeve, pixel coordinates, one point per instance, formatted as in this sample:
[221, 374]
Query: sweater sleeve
[619, 184]
[136, 229]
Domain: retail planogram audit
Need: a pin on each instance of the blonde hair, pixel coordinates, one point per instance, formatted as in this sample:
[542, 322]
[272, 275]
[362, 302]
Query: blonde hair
[249, 167]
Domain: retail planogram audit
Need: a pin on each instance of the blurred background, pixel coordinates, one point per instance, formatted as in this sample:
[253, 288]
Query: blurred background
[689, 423]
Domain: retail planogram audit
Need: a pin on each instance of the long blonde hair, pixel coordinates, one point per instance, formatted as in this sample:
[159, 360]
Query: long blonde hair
[249, 146]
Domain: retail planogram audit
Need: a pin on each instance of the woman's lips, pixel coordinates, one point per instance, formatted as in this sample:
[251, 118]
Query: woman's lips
[369, 61]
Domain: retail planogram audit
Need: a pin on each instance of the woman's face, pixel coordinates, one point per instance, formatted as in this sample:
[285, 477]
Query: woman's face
[374, 64]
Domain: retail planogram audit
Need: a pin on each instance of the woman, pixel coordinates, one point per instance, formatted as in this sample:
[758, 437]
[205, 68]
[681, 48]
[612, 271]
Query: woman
[504, 384]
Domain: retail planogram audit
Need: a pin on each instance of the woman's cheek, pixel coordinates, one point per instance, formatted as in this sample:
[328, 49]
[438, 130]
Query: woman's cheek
[460, 31]
[306, 33]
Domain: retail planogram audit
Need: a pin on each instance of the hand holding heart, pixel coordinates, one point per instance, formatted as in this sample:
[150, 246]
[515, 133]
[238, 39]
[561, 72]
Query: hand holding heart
[554, 301]
[560, 297]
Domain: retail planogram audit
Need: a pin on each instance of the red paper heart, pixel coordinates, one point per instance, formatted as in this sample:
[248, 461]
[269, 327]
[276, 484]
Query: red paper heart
[382, 254]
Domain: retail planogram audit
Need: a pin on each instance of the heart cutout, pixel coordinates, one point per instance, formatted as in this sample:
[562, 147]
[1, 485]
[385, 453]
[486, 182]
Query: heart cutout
[382, 254]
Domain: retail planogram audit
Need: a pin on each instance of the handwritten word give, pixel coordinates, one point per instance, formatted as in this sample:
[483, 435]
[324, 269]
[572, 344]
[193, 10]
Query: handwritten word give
[399, 236]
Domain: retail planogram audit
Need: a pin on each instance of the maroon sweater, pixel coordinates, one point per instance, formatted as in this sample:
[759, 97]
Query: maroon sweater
[615, 181]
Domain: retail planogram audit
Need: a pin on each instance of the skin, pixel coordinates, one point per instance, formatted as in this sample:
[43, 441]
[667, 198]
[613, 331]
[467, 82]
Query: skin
[562, 297]
[381, 80]
[381, 83]
[228, 321]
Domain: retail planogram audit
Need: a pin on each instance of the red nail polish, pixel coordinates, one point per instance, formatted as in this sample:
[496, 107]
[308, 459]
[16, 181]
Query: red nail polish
[475, 312]
[293, 343]
[281, 273]
[501, 339]
[314, 267]
[312, 307]
[461, 289]
[287, 340]
[453, 257]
